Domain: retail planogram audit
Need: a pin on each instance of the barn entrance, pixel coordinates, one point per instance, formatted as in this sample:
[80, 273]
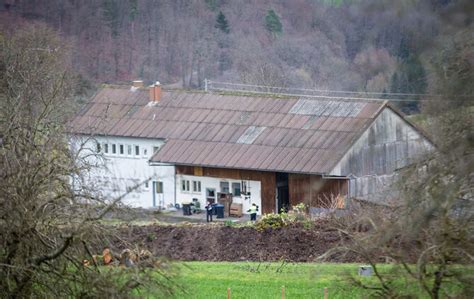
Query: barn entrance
[282, 194]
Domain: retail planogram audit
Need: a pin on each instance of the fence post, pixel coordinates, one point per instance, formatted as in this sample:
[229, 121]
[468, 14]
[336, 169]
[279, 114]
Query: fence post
[283, 292]
[228, 293]
[205, 84]
[325, 293]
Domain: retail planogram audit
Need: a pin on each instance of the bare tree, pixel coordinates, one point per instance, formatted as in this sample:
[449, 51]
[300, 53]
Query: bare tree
[427, 234]
[48, 224]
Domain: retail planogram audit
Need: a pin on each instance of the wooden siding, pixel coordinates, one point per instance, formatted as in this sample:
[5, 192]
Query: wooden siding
[267, 180]
[390, 143]
[313, 190]
[188, 170]
[299, 188]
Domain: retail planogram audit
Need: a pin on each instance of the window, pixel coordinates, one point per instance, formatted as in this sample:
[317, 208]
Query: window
[185, 185]
[137, 150]
[121, 150]
[114, 149]
[236, 189]
[145, 152]
[158, 186]
[196, 186]
[106, 148]
[147, 185]
[129, 150]
[224, 187]
[155, 149]
[210, 194]
[98, 147]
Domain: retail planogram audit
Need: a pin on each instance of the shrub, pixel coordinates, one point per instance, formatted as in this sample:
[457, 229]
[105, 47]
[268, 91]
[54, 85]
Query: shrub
[273, 221]
[308, 223]
[299, 212]
[229, 223]
[296, 215]
[150, 237]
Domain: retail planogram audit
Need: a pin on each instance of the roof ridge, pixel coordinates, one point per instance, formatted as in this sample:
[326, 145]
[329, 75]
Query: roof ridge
[250, 94]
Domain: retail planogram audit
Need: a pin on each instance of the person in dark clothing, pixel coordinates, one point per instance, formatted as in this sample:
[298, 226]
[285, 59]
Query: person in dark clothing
[253, 212]
[209, 212]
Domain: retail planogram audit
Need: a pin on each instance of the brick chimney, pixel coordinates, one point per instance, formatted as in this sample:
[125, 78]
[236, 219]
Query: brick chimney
[155, 92]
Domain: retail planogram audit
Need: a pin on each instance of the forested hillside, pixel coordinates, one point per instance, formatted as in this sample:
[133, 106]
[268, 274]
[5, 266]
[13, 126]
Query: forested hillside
[340, 178]
[338, 45]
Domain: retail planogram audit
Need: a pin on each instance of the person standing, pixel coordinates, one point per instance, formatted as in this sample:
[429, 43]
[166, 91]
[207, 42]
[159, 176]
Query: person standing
[253, 212]
[209, 212]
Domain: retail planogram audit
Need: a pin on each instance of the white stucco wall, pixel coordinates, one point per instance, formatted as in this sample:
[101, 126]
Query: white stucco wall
[214, 183]
[119, 171]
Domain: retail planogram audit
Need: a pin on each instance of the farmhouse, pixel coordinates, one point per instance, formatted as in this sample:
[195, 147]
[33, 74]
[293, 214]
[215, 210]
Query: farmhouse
[272, 150]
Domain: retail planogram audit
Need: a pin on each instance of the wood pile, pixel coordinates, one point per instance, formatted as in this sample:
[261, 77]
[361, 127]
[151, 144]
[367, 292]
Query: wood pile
[127, 258]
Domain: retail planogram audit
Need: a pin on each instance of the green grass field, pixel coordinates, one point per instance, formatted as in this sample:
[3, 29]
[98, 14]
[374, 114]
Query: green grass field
[249, 280]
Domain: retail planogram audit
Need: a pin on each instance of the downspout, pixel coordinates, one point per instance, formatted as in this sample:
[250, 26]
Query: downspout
[348, 192]
[350, 177]
[153, 189]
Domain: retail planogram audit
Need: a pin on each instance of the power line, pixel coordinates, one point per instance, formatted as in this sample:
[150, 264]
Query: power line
[310, 96]
[334, 92]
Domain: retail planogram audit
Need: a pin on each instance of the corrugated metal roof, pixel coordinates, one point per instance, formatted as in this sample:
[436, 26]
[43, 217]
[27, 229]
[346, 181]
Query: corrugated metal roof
[250, 134]
[234, 131]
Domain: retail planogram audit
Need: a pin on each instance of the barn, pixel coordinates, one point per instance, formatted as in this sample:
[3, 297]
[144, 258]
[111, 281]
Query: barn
[273, 150]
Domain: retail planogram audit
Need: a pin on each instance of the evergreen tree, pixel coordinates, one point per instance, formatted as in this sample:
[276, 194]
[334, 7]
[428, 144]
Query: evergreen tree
[410, 77]
[212, 4]
[133, 9]
[416, 75]
[394, 85]
[404, 49]
[222, 23]
[111, 16]
[272, 23]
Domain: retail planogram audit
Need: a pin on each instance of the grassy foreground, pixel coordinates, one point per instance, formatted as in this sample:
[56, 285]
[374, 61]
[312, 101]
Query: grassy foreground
[265, 280]
[249, 280]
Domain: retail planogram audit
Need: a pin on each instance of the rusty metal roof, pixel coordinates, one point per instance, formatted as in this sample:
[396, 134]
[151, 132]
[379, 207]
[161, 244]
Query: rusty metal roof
[233, 131]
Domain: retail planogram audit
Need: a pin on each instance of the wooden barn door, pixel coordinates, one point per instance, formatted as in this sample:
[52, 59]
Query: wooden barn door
[282, 192]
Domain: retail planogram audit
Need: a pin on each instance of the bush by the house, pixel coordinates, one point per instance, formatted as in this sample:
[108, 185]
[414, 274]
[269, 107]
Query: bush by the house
[297, 214]
[273, 221]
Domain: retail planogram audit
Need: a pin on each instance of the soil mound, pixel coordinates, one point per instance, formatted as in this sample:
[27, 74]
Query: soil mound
[223, 243]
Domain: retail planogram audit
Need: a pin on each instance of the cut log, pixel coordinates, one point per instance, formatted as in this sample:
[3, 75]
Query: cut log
[107, 256]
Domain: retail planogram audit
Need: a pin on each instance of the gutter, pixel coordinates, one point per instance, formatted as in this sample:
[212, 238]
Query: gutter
[151, 163]
[335, 177]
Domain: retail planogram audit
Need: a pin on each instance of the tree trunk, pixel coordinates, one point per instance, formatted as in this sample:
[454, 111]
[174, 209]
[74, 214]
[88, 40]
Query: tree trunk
[439, 275]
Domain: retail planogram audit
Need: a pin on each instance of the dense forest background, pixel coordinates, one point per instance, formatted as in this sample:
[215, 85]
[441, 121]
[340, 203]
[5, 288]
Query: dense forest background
[368, 46]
